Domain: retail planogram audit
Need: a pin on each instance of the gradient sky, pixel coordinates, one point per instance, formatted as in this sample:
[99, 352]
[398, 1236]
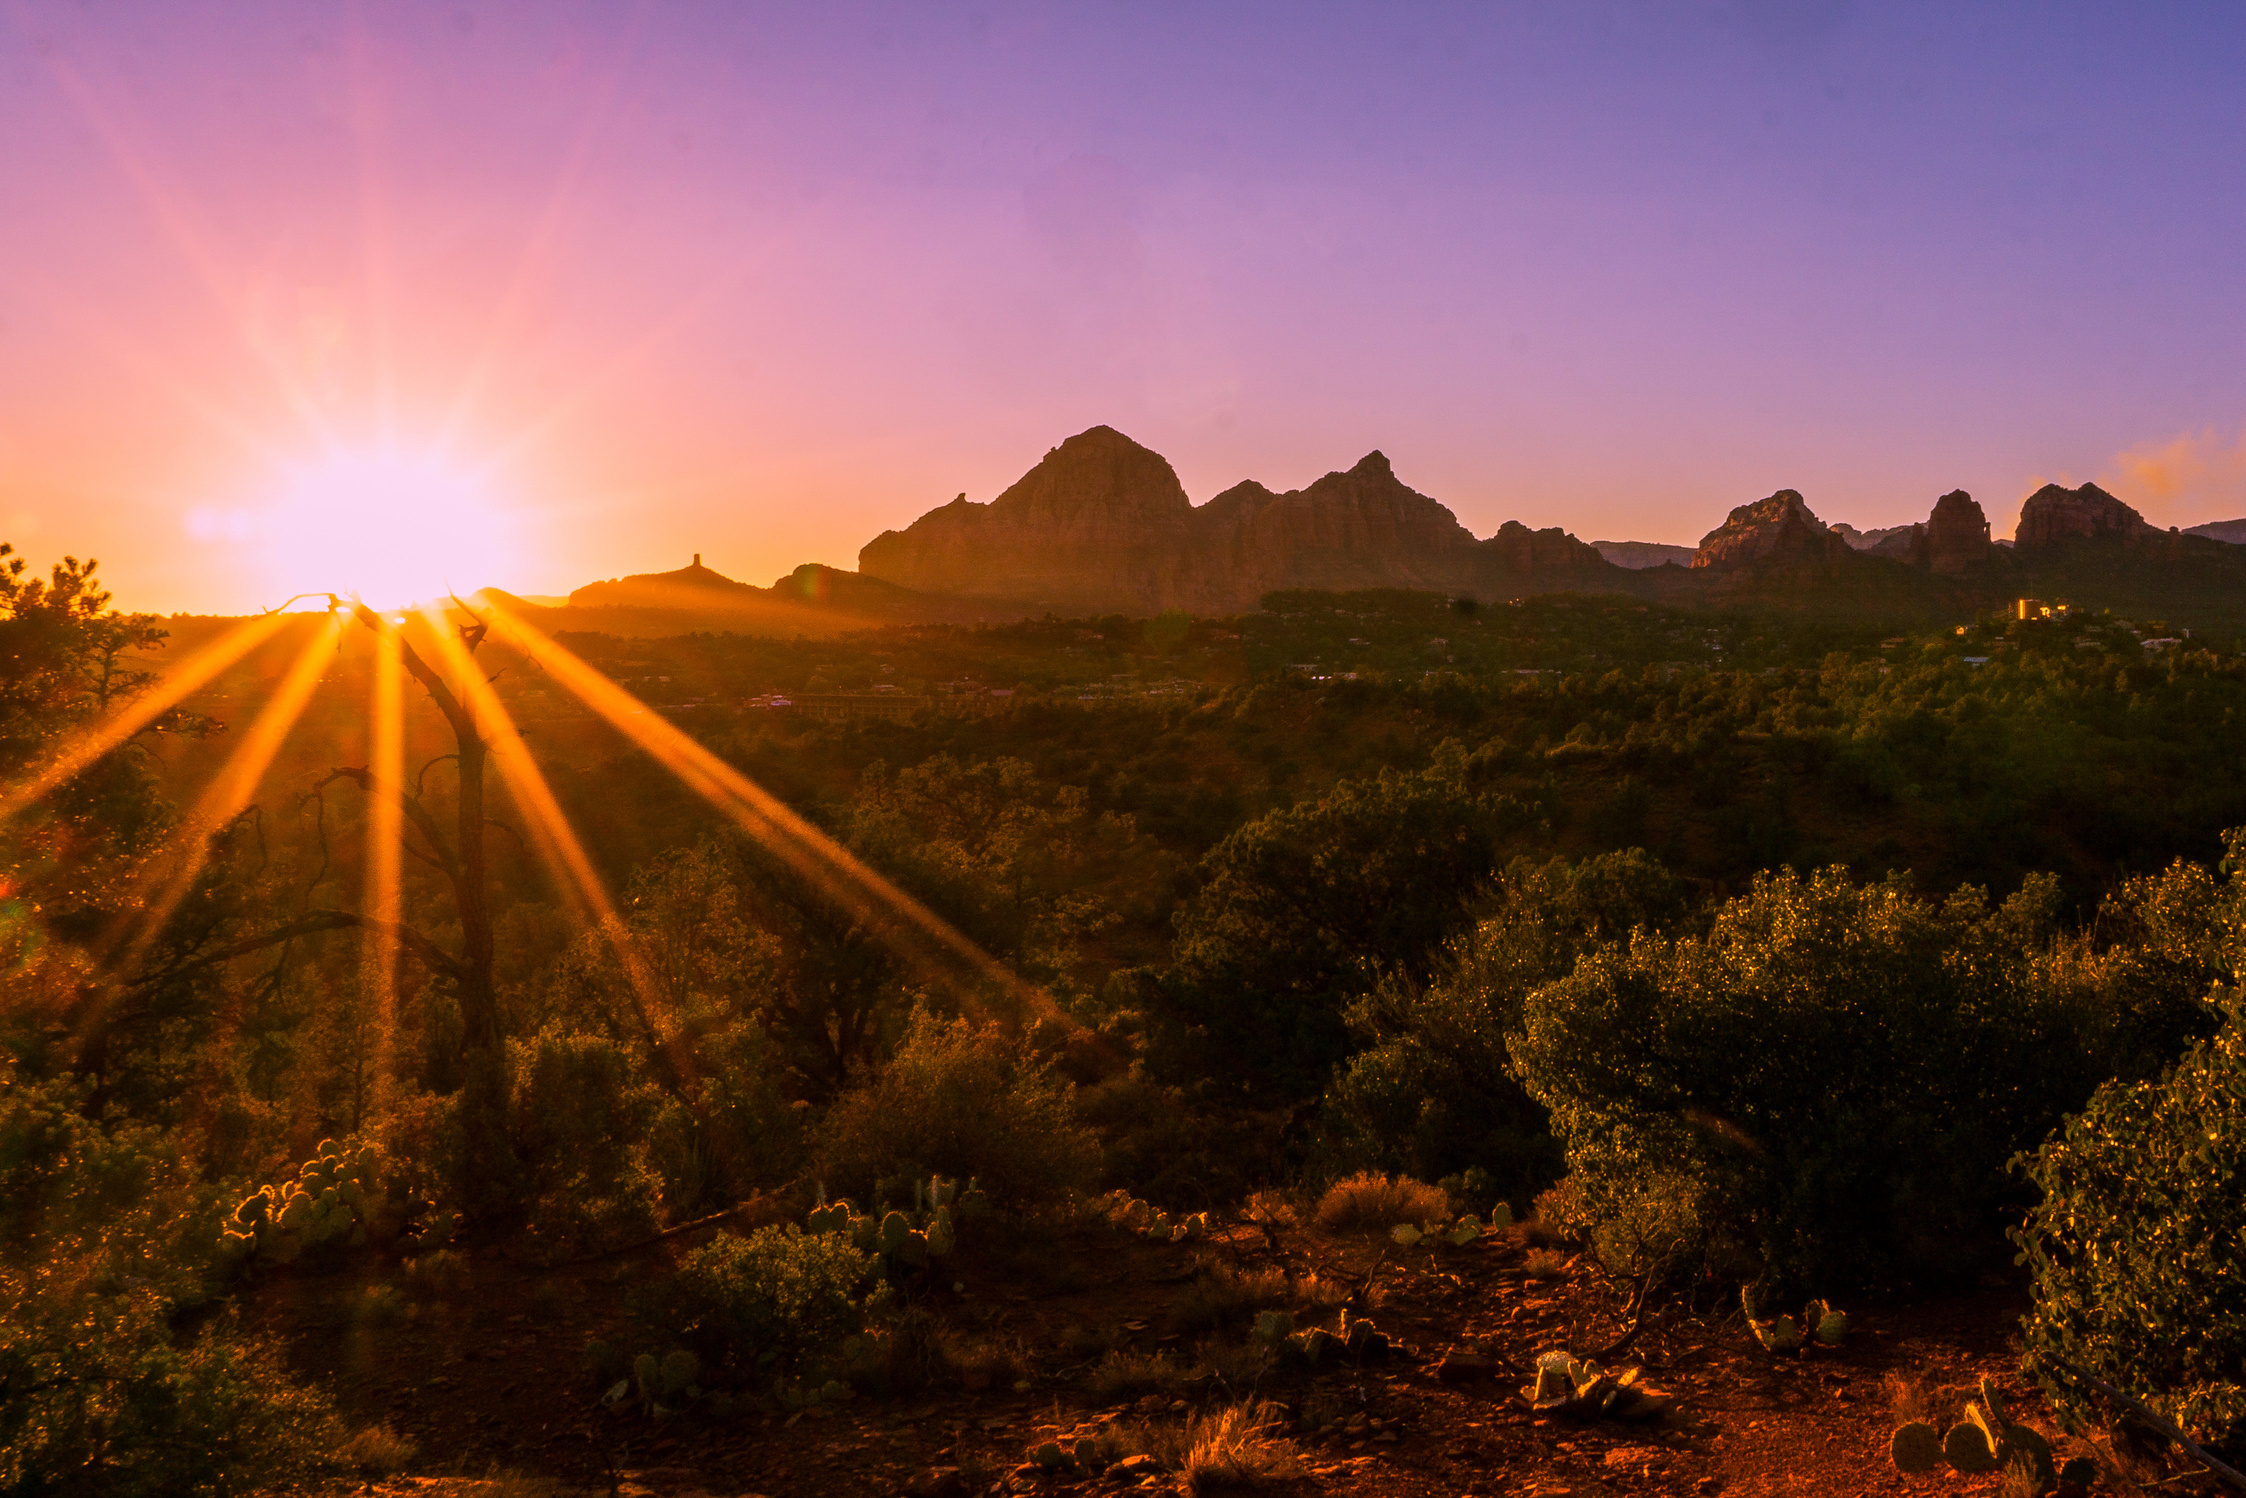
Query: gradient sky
[760, 282]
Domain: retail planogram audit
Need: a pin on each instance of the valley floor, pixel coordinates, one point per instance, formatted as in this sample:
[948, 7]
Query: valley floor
[489, 1386]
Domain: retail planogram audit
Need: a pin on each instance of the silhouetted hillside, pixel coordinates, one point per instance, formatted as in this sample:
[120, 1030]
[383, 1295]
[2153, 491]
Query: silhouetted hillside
[1103, 523]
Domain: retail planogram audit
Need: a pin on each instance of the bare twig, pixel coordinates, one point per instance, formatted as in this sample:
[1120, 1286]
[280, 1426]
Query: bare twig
[1636, 1311]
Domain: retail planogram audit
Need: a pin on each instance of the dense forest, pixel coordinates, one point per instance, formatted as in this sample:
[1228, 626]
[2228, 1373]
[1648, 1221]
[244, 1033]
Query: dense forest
[1727, 949]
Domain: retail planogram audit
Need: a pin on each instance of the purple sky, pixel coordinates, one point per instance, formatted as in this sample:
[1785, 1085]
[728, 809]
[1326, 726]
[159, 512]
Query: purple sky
[760, 283]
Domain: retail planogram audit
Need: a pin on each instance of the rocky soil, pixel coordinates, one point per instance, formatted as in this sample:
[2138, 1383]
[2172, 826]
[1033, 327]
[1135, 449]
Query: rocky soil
[486, 1378]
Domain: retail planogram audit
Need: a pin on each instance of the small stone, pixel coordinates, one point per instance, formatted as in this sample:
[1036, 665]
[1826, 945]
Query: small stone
[1460, 1368]
[1137, 1464]
[938, 1482]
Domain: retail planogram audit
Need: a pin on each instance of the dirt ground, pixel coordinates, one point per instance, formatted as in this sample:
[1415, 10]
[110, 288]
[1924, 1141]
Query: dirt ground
[488, 1382]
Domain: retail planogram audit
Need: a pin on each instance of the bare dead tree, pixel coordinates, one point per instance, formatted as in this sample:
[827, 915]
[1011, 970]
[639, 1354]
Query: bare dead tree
[489, 1168]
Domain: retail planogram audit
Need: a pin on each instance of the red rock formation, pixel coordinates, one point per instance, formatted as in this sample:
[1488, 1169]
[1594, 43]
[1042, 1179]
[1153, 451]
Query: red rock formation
[692, 586]
[2053, 515]
[1778, 531]
[1102, 523]
[1097, 524]
[1956, 535]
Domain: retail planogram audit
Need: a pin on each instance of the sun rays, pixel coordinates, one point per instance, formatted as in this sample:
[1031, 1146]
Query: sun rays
[432, 640]
[230, 792]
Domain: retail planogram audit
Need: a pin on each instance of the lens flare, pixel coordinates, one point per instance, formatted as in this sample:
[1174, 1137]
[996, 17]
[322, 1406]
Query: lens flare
[911, 929]
[390, 526]
[135, 716]
[555, 840]
[229, 794]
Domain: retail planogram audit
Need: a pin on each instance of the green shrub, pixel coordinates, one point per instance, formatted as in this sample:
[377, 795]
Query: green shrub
[763, 1134]
[2138, 1247]
[1298, 912]
[102, 1400]
[1432, 1092]
[116, 1199]
[1835, 1073]
[580, 1120]
[962, 1101]
[777, 1296]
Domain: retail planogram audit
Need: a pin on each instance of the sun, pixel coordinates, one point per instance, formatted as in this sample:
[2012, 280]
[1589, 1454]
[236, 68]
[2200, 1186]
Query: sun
[392, 527]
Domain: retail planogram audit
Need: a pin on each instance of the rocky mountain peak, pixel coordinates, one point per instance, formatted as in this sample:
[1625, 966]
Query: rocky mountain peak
[1779, 530]
[2053, 515]
[1957, 534]
[1094, 472]
[1102, 523]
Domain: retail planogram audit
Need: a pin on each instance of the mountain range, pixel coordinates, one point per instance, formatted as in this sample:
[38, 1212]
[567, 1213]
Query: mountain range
[1102, 524]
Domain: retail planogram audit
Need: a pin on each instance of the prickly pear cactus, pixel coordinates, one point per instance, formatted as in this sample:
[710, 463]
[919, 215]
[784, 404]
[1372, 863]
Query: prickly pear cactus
[833, 1218]
[1830, 1325]
[1779, 1334]
[333, 1197]
[1916, 1447]
[893, 1237]
[2026, 1451]
[1585, 1391]
[1967, 1449]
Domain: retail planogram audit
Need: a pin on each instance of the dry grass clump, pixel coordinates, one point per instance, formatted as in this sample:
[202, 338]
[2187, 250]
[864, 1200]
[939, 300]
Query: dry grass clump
[1222, 1294]
[986, 1364]
[1274, 1209]
[1370, 1203]
[1908, 1397]
[376, 1451]
[1129, 1375]
[1544, 1264]
[1233, 1448]
[1322, 1292]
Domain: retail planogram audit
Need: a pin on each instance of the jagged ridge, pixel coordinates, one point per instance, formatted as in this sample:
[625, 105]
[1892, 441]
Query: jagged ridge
[1103, 523]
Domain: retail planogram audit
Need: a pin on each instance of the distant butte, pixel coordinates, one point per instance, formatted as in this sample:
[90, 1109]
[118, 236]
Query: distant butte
[1103, 523]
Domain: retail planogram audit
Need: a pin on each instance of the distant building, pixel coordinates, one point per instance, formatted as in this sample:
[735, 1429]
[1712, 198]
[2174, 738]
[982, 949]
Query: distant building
[2036, 608]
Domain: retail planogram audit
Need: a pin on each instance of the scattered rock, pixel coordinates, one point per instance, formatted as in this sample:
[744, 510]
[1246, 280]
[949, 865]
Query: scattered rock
[1635, 1456]
[1461, 1368]
[938, 1482]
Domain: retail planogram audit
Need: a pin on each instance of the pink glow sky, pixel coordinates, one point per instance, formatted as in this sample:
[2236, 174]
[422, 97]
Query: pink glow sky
[762, 282]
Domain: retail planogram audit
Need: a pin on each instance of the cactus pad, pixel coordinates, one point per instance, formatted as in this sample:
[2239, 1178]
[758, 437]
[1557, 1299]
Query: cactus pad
[2025, 1450]
[1779, 1334]
[1916, 1447]
[1967, 1449]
